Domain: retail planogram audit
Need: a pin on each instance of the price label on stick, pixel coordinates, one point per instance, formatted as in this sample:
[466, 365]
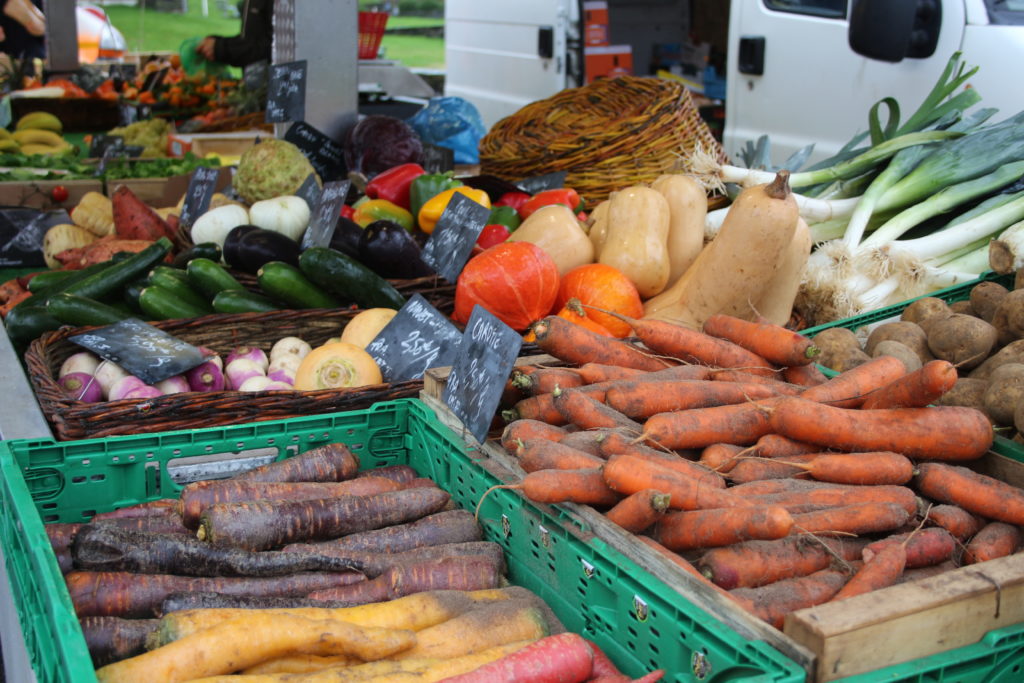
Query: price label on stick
[539, 183]
[197, 197]
[326, 155]
[324, 218]
[485, 358]
[452, 240]
[145, 351]
[418, 338]
[286, 92]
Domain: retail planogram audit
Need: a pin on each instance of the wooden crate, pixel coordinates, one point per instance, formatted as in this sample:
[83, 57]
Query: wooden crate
[887, 627]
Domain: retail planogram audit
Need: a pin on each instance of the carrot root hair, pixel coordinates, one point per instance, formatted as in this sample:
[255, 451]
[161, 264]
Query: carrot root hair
[476, 512]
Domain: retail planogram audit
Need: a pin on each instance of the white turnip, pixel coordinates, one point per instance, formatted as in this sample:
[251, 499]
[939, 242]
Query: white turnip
[173, 385]
[144, 391]
[255, 383]
[83, 361]
[124, 386]
[237, 371]
[107, 373]
[289, 347]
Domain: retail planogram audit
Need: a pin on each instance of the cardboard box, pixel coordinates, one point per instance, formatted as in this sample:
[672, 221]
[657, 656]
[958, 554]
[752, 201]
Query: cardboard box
[226, 145]
[607, 61]
[163, 192]
[595, 22]
[38, 194]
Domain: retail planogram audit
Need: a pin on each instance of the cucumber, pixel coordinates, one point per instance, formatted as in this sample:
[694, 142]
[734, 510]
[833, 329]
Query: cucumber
[118, 275]
[48, 279]
[210, 278]
[80, 311]
[25, 323]
[210, 250]
[181, 288]
[170, 271]
[158, 303]
[40, 294]
[343, 276]
[286, 282]
[243, 301]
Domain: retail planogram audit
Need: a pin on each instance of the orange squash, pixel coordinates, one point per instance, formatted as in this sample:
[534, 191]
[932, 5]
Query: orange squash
[602, 286]
[336, 365]
[575, 313]
[515, 281]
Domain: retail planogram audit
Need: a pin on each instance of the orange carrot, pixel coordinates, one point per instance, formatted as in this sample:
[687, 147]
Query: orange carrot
[588, 440]
[540, 407]
[586, 487]
[996, 539]
[925, 547]
[628, 474]
[849, 389]
[741, 424]
[577, 345]
[541, 454]
[639, 510]
[804, 375]
[774, 601]
[883, 569]
[600, 372]
[586, 412]
[713, 528]
[916, 389]
[939, 433]
[877, 467]
[544, 380]
[977, 493]
[776, 445]
[858, 518]
[749, 469]
[821, 494]
[523, 430]
[640, 400]
[774, 343]
[617, 444]
[720, 457]
[756, 563]
[683, 564]
[954, 519]
[732, 375]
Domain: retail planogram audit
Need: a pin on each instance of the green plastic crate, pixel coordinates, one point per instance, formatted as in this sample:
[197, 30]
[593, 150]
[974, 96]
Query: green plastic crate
[593, 589]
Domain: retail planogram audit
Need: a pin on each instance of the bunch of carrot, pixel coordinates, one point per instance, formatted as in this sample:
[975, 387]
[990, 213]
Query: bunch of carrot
[728, 451]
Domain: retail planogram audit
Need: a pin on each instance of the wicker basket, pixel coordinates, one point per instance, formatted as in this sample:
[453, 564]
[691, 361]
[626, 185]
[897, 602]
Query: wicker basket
[72, 419]
[606, 135]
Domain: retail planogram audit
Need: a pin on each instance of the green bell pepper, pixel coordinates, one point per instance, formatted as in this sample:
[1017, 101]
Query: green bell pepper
[427, 186]
[504, 215]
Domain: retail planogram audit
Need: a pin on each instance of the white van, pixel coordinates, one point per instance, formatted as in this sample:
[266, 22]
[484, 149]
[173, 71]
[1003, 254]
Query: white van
[800, 71]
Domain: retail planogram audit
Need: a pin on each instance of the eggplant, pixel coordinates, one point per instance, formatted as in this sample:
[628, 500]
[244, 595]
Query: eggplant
[229, 250]
[259, 246]
[389, 250]
[346, 237]
[494, 186]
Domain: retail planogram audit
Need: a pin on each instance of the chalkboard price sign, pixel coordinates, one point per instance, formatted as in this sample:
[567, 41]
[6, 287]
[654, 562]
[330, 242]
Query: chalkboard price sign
[145, 351]
[437, 159]
[324, 218]
[418, 338]
[452, 240]
[153, 80]
[310, 191]
[326, 155]
[197, 197]
[539, 183]
[286, 92]
[254, 75]
[486, 355]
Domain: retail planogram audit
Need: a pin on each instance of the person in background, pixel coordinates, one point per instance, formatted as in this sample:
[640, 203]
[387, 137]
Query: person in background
[22, 26]
[251, 45]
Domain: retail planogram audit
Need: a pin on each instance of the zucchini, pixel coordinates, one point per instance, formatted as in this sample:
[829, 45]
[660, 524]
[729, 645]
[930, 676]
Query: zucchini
[118, 275]
[170, 271]
[210, 250]
[210, 278]
[158, 303]
[343, 276]
[181, 288]
[80, 311]
[131, 291]
[243, 301]
[39, 295]
[48, 279]
[286, 282]
[25, 323]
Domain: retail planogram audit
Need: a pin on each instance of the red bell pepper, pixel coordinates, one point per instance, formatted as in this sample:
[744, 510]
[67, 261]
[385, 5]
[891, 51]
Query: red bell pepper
[492, 234]
[513, 199]
[393, 184]
[347, 211]
[563, 195]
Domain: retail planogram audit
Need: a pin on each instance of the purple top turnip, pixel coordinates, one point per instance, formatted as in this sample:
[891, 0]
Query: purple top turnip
[107, 374]
[241, 369]
[252, 353]
[81, 386]
[174, 385]
[206, 376]
[124, 386]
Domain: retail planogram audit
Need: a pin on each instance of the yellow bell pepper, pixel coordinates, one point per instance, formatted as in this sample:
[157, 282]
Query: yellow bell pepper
[432, 210]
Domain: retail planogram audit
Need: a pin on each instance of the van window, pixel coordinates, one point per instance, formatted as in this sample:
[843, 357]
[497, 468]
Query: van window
[833, 9]
[1005, 11]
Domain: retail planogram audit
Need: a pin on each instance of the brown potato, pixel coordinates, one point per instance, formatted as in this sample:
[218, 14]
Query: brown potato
[963, 307]
[891, 347]
[851, 359]
[925, 307]
[985, 298]
[835, 343]
[1011, 353]
[909, 334]
[963, 340]
[966, 392]
[1008, 317]
[1004, 393]
[1018, 279]
[1018, 420]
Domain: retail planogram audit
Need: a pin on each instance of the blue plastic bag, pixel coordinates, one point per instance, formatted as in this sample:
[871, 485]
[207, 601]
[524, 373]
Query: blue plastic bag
[451, 122]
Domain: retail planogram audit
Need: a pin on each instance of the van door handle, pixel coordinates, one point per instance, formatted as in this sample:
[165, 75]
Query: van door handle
[546, 42]
[751, 57]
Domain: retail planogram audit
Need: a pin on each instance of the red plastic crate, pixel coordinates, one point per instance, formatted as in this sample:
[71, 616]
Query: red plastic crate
[371, 31]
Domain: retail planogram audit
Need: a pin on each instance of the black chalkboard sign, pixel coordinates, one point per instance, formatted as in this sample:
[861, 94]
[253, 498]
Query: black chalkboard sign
[21, 235]
[145, 351]
[123, 72]
[310, 191]
[254, 76]
[324, 217]
[539, 183]
[197, 197]
[101, 142]
[418, 338]
[485, 358]
[326, 155]
[437, 159]
[286, 92]
[452, 240]
[153, 80]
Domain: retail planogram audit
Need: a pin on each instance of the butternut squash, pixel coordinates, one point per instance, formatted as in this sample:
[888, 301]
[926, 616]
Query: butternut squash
[556, 230]
[365, 325]
[776, 301]
[597, 224]
[637, 239]
[731, 272]
[687, 207]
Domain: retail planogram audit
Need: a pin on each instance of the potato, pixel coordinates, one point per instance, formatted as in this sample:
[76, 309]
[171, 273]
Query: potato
[985, 298]
[909, 334]
[1008, 317]
[922, 308]
[1018, 279]
[1004, 393]
[891, 347]
[963, 340]
[1011, 353]
[966, 392]
[1018, 421]
[964, 307]
[835, 343]
[851, 359]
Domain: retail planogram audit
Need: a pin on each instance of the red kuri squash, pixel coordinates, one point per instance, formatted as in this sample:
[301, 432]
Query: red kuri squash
[516, 281]
[603, 286]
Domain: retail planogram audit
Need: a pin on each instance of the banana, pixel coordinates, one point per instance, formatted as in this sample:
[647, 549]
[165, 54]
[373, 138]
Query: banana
[36, 136]
[5, 134]
[9, 145]
[42, 120]
[36, 148]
